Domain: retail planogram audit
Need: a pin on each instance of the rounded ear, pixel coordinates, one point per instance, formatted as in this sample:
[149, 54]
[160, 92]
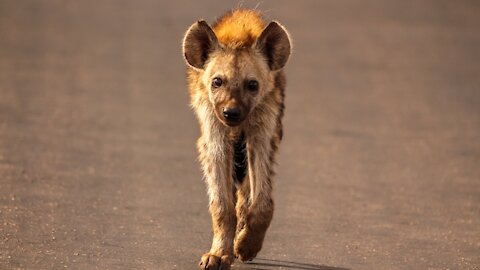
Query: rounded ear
[274, 43]
[198, 43]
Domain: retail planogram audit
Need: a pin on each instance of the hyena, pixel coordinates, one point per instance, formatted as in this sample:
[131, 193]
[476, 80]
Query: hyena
[237, 86]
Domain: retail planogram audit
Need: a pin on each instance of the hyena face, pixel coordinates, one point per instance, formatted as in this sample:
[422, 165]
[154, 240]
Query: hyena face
[236, 78]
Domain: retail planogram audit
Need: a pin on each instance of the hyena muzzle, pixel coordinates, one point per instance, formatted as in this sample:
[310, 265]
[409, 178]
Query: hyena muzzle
[237, 85]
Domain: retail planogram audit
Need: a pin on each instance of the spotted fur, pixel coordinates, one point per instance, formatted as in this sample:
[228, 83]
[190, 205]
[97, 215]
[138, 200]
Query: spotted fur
[237, 158]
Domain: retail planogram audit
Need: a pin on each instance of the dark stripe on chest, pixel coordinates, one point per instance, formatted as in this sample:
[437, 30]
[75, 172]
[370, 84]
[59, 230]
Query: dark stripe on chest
[240, 161]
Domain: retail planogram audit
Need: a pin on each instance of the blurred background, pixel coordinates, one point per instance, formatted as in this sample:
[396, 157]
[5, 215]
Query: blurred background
[379, 168]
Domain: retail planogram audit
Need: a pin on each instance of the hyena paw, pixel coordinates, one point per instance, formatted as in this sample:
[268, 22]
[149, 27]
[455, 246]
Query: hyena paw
[212, 262]
[247, 244]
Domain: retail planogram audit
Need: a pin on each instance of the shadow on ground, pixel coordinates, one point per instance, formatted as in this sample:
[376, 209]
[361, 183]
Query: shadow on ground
[266, 264]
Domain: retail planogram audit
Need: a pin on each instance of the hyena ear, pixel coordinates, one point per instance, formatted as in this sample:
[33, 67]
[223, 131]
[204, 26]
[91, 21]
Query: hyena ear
[198, 43]
[274, 43]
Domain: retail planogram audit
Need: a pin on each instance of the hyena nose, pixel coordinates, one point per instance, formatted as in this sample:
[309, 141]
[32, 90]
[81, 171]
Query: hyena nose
[231, 114]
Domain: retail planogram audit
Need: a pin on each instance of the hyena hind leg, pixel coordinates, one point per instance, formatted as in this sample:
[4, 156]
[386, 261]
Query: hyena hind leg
[252, 223]
[242, 205]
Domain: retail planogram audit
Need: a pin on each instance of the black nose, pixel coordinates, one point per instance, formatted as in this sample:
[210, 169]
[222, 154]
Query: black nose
[231, 114]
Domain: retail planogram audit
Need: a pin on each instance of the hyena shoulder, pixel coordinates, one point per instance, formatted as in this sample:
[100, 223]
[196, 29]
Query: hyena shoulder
[239, 28]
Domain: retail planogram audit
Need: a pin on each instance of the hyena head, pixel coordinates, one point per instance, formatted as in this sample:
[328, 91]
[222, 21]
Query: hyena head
[237, 74]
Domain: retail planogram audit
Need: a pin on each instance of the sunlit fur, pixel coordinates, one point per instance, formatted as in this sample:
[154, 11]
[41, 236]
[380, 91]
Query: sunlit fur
[239, 28]
[241, 211]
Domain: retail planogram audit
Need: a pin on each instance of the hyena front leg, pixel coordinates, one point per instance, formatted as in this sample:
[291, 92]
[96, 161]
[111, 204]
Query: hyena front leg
[222, 209]
[254, 204]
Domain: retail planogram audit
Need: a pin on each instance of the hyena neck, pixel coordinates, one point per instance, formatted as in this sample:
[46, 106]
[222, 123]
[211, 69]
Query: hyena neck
[240, 159]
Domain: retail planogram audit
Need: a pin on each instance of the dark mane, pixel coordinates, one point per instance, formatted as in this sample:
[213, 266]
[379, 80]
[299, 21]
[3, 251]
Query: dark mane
[240, 160]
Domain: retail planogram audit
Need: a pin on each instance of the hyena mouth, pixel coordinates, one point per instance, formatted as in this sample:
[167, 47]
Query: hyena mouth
[240, 159]
[233, 123]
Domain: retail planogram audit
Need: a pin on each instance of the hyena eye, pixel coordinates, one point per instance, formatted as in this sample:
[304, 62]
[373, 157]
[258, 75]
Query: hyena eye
[252, 85]
[216, 82]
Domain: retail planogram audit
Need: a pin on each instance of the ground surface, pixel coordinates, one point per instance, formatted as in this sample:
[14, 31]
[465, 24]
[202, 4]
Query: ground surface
[379, 169]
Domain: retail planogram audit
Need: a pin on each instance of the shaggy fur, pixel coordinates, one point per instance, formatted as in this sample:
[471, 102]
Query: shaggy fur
[237, 64]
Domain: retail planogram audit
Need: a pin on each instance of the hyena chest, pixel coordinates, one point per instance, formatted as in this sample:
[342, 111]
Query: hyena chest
[240, 159]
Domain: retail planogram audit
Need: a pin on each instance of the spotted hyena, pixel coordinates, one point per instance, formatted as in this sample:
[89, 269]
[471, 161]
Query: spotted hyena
[237, 90]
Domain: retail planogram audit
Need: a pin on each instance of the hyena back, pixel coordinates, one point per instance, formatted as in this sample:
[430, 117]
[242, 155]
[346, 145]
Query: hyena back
[237, 88]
